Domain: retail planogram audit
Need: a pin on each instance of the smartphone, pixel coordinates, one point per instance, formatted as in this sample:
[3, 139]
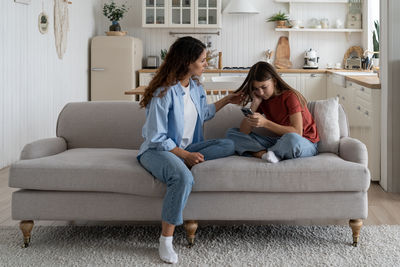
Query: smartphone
[247, 111]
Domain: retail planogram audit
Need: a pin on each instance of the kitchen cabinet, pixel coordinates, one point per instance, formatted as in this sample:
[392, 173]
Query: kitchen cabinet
[313, 86]
[362, 107]
[181, 13]
[293, 79]
[145, 78]
[366, 124]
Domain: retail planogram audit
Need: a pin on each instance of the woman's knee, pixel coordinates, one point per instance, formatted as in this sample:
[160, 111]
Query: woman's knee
[227, 145]
[292, 139]
[184, 177]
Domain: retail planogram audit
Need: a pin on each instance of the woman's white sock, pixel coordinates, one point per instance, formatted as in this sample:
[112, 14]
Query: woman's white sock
[271, 157]
[166, 250]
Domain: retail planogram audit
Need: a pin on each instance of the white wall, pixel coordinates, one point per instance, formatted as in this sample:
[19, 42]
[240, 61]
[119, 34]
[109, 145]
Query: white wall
[244, 38]
[34, 83]
[390, 69]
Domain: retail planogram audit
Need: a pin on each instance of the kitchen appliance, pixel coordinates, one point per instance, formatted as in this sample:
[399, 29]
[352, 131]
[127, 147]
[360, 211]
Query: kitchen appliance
[152, 62]
[115, 61]
[310, 59]
[353, 63]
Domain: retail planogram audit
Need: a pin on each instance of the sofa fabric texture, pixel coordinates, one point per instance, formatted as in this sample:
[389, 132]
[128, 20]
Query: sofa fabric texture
[111, 124]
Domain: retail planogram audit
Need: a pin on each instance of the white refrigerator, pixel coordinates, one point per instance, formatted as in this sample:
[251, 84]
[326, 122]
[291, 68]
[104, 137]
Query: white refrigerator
[115, 61]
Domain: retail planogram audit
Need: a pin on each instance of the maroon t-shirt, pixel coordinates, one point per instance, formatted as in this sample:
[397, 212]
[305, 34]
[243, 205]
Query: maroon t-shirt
[279, 108]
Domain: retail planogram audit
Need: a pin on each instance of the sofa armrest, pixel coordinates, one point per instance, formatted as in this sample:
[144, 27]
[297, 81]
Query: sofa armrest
[43, 148]
[353, 150]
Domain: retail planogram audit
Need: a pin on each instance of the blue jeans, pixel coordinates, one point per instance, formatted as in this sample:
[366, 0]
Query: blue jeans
[171, 170]
[288, 146]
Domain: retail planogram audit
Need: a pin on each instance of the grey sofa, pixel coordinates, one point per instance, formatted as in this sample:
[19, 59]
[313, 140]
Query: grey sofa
[90, 172]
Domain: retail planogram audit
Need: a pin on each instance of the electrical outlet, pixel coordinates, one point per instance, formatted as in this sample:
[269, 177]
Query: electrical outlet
[25, 2]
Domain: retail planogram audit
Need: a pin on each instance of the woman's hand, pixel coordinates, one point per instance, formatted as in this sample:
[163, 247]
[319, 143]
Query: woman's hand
[257, 120]
[193, 158]
[235, 98]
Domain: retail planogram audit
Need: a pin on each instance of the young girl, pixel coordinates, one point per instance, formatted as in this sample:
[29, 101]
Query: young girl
[176, 108]
[285, 114]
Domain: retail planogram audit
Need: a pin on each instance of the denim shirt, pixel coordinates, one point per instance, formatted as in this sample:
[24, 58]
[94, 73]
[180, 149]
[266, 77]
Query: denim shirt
[164, 124]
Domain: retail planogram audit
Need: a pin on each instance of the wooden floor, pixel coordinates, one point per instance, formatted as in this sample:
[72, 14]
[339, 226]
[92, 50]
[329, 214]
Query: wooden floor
[383, 208]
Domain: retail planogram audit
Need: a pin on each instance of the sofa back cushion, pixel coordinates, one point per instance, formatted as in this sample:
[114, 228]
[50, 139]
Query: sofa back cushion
[110, 124]
[231, 116]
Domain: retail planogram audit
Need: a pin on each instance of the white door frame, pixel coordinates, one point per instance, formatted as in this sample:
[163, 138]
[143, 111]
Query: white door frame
[390, 81]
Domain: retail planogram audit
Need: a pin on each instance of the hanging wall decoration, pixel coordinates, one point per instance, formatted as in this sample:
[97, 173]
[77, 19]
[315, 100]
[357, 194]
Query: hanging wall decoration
[43, 21]
[61, 26]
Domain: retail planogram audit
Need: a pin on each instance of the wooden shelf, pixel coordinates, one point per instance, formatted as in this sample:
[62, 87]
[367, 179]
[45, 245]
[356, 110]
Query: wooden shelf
[313, 1]
[317, 30]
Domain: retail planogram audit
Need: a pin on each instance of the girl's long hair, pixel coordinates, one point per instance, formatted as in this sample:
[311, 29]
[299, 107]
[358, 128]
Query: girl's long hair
[263, 71]
[181, 54]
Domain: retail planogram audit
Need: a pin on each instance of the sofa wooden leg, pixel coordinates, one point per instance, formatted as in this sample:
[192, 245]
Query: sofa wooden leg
[191, 227]
[26, 228]
[356, 225]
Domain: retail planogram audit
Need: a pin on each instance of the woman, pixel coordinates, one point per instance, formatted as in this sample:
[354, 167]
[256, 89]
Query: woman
[285, 114]
[176, 108]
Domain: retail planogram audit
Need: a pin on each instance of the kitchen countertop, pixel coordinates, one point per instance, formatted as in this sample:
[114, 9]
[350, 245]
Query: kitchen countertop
[246, 71]
[372, 82]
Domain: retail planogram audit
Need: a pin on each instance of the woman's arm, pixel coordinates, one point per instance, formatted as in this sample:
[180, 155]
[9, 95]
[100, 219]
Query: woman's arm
[296, 124]
[233, 98]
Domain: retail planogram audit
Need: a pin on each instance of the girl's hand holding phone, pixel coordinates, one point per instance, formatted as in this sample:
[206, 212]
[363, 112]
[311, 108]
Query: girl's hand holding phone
[257, 120]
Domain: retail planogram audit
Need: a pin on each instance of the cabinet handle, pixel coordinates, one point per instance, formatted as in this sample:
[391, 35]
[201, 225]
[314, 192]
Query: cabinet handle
[366, 113]
[97, 69]
[362, 89]
[338, 95]
[313, 75]
[343, 97]
[359, 108]
[350, 84]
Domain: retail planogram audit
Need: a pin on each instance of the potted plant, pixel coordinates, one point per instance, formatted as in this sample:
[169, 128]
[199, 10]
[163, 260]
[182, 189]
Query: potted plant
[114, 13]
[280, 19]
[375, 39]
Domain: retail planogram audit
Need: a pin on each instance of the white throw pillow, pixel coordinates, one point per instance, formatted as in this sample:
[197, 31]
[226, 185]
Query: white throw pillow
[326, 117]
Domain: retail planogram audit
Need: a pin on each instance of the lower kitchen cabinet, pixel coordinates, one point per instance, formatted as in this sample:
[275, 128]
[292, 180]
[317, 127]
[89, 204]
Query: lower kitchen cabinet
[365, 123]
[145, 78]
[313, 86]
[362, 106]
[293, 79]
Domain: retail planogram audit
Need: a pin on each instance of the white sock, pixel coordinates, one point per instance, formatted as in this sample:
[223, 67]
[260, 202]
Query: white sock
[271, 157]
[166, 250]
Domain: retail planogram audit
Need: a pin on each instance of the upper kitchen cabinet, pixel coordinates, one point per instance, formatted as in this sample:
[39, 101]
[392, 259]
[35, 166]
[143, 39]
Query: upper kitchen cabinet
[155, 13]
[181, 13]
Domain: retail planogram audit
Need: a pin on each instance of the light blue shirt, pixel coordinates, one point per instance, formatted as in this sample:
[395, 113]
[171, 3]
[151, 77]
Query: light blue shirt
[164, 124]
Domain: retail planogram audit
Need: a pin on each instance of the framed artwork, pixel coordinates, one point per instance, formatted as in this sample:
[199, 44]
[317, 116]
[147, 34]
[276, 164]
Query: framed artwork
[43, 23]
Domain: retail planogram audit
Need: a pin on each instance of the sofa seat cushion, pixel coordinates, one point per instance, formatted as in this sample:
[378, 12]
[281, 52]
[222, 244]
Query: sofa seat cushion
[87, 169]
[325, 172]
[118, 171]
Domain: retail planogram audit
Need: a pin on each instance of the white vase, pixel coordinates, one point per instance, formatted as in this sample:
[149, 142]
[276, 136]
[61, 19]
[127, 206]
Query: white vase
[375, 62]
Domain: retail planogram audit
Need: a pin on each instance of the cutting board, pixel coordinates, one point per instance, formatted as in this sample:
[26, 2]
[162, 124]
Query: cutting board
[282, 56]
